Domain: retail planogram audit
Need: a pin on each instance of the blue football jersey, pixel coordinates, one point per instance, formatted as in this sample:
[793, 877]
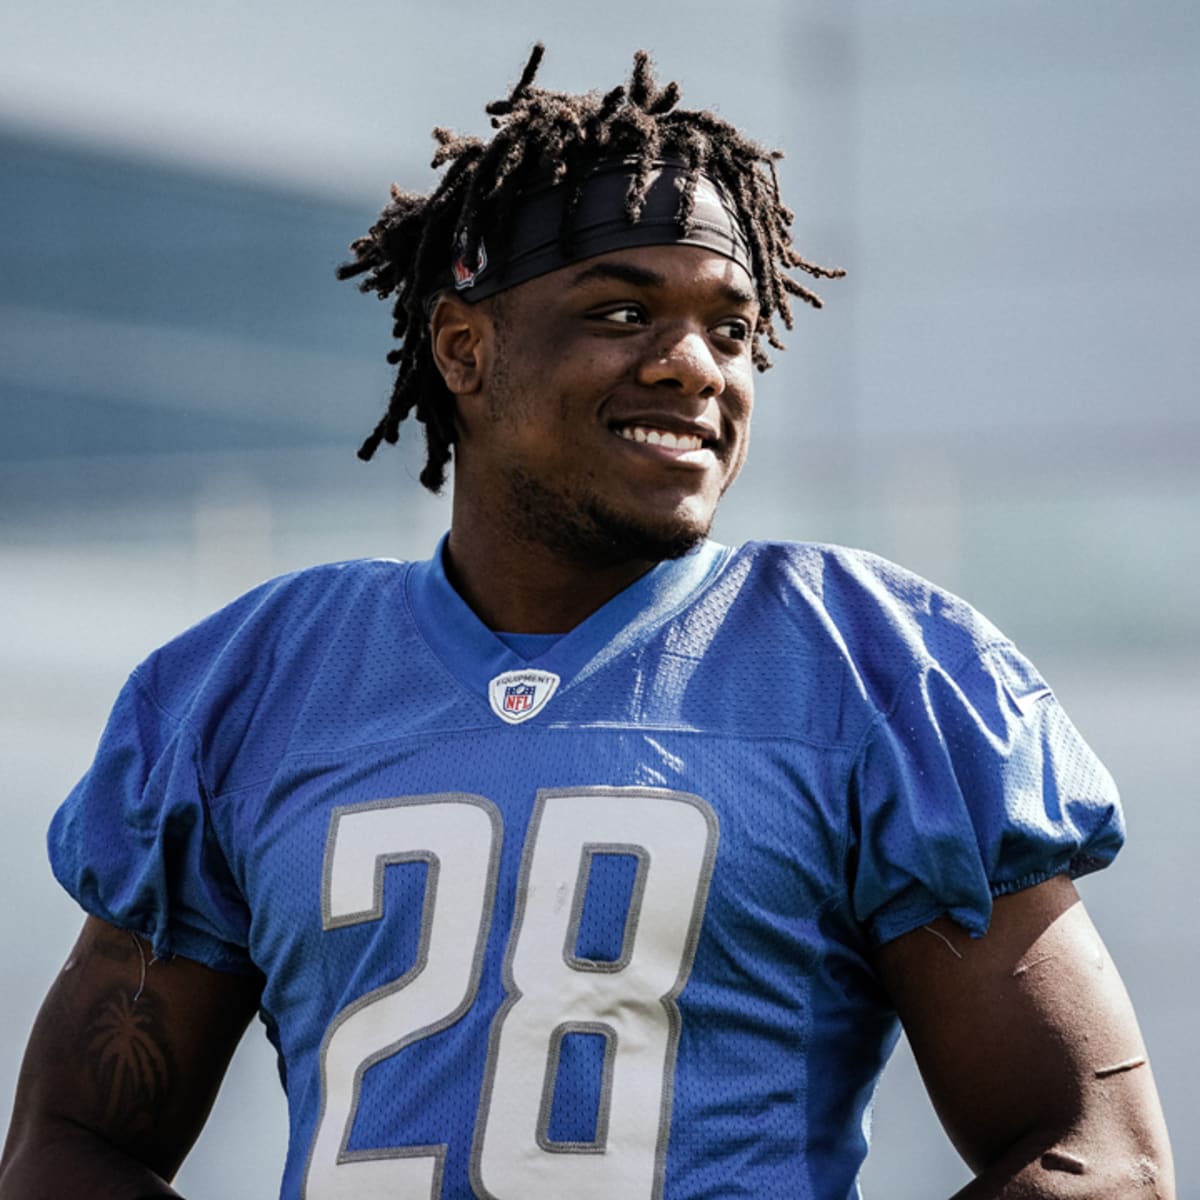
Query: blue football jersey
[596, 923]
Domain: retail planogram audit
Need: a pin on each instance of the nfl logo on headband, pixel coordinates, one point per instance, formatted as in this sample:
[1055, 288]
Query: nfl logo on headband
[464, 275]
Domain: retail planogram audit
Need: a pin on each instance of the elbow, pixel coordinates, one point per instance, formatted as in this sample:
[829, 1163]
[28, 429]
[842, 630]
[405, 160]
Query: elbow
[1122, 1169]
[1141, 1176]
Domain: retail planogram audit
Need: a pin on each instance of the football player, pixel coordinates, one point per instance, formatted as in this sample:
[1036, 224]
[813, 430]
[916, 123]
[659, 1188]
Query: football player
[589, 858]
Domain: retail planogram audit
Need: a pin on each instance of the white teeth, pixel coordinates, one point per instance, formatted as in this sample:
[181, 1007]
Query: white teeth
[660, 437]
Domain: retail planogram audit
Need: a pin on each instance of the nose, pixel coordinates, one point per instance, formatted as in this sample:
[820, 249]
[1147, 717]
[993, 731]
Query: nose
[683, 359]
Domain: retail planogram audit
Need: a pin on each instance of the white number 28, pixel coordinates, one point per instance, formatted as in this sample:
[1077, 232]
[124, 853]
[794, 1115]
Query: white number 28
[629, 999]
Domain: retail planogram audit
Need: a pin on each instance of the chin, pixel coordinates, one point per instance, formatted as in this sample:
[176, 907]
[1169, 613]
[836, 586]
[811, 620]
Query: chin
[591, 531]
[630, 537]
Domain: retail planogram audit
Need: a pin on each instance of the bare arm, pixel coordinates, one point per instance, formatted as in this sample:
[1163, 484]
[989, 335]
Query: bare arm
[1031, 1053]
[121, 1069]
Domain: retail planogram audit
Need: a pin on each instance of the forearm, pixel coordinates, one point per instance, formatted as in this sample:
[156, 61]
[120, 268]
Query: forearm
[69, 1161]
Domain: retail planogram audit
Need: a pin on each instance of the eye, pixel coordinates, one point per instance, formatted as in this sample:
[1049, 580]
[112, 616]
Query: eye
[736, 329]
[623, 314]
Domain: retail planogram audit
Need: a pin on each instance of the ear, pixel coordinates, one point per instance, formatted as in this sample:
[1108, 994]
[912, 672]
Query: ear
[460, 337]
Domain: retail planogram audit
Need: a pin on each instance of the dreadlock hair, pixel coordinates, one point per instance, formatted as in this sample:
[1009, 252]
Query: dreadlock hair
[545, 136]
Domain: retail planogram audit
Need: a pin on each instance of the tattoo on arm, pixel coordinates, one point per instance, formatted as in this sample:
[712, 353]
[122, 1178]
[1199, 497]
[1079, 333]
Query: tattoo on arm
[125, 1051]
[115, 946]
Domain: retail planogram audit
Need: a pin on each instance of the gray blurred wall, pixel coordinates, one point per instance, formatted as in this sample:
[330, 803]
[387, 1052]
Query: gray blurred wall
[1000, 395]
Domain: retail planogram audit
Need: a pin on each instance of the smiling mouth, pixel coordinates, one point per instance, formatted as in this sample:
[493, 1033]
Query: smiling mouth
[680, 443]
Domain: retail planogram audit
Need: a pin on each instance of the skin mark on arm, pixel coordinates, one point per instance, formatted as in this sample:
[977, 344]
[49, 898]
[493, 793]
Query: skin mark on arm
[1037, 962]
[1128, 1064]
[115, 946]
[1060, 1160]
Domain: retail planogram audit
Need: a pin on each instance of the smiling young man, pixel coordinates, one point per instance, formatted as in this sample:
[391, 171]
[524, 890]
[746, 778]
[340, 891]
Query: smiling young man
[589, 858]
[588, 450]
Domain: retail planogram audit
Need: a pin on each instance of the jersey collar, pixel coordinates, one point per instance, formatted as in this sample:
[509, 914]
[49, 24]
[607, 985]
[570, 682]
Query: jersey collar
[474, 655]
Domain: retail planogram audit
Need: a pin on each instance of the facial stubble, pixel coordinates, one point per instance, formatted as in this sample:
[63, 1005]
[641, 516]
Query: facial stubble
[581, 528]
[565, 516]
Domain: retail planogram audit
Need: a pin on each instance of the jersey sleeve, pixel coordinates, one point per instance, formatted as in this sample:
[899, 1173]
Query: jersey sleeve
[134, 844]
[974, 783]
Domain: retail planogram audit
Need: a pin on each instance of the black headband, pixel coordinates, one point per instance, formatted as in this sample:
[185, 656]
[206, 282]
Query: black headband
[531, 245]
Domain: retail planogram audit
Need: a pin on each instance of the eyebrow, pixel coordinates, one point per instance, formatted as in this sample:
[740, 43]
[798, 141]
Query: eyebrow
[641, 277]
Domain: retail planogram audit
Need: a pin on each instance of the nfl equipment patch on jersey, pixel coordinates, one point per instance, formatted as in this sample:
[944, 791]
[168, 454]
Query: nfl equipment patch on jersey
[515, 696]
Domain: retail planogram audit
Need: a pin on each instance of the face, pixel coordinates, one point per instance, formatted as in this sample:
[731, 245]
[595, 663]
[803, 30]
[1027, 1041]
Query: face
[613, 404]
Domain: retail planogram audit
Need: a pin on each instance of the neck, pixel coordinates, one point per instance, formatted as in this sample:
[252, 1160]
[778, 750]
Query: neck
[519, 586]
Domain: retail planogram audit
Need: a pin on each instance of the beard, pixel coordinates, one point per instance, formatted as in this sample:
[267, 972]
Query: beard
[582, 529]
[576, 524]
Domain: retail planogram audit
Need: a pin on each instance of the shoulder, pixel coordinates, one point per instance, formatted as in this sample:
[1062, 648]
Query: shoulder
[334, 581]
[308, 597]
[858, 591]
[856, 583]
[281, 620]
[885, 622]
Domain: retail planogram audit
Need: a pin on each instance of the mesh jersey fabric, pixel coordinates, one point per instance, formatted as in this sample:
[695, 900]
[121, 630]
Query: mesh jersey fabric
[622, 948]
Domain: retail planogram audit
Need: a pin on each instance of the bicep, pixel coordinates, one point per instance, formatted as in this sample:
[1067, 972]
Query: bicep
[131, 1048]
[1027, 1034]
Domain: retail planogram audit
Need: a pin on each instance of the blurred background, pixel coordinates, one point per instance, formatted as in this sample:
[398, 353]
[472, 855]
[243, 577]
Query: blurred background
[1000, 395]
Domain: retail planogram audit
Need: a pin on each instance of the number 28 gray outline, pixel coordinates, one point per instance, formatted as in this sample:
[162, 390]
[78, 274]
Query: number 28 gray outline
[512, 992]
